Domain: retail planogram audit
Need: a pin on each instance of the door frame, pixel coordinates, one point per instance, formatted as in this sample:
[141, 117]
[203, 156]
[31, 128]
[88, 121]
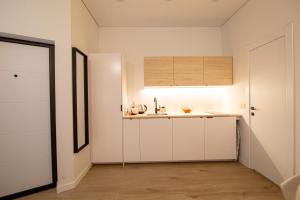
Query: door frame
[288, 34]
[51, 48]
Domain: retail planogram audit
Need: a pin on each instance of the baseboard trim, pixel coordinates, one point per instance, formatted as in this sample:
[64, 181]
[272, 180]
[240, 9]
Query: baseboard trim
[244, 162]
[73, 184]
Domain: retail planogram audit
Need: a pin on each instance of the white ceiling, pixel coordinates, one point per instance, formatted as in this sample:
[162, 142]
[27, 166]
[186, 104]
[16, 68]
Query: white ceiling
[162, 13]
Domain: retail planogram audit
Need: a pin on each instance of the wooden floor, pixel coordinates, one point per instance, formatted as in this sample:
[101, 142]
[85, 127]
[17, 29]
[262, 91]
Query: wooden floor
[175, 181]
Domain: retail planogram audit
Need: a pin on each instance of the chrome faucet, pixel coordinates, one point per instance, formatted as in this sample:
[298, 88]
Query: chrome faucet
[156, 109]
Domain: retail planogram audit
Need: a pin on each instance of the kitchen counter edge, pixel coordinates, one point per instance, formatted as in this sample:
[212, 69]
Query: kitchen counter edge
[143, 116]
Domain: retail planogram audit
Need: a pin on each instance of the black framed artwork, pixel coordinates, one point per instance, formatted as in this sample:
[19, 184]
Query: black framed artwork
[80, 99]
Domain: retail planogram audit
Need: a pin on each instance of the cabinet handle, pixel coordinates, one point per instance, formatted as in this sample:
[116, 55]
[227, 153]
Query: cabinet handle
[209, 117]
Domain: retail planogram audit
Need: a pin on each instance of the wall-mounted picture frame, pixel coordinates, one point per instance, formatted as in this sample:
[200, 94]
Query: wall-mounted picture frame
[80, 99]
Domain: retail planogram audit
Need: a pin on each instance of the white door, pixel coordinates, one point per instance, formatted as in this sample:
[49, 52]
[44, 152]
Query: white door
[156, 139]
[272, 140]
[220, 138]
[188, 139]
[106, 96]
[25, 124]
[131, 135]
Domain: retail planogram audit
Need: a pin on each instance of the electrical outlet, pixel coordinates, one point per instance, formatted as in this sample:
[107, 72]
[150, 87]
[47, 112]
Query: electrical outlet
[243, 106]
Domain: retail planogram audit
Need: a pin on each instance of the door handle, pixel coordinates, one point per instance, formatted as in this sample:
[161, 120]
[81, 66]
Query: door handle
[252, 114]
[252, 108]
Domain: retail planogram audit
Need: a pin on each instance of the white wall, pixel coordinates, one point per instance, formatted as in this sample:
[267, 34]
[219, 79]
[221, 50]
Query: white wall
[84, 28]
[84, 37]
[49, 20]
[255, 21]
[136, 43]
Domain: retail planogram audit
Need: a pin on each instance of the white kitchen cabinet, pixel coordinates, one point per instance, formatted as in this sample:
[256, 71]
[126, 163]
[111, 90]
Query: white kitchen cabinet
[156, 139]
[220, 138]
[131, 135]
[105, 88]
[188, 139]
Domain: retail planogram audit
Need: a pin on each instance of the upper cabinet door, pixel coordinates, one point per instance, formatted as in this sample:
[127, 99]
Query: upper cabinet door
[158, 71]
[218, 70]
[188, 71]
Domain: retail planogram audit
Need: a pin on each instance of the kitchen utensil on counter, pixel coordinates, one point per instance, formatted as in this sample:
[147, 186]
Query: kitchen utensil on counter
[142, 109]
[134, 110]
[186, 109]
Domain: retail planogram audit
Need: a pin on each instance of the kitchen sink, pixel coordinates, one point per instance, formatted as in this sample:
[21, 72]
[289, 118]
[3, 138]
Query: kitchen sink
[158, 114]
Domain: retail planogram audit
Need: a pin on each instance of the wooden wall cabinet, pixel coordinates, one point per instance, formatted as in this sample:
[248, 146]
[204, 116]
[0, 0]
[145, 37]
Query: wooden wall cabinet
[188, 71]
[158, 71]
[218, 70]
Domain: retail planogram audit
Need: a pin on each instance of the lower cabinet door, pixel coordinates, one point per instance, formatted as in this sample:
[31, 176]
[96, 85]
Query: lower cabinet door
[220, 138]
[131, 134]
[188, 139]
[156, 139]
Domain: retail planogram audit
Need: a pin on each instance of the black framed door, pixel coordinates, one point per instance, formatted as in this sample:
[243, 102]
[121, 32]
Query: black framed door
[28, 161]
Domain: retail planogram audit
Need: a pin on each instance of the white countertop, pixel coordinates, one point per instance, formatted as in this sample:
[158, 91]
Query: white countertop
[181, 115]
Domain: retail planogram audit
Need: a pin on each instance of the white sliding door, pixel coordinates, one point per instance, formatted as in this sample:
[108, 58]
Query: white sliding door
[272, 134]
[25, 118]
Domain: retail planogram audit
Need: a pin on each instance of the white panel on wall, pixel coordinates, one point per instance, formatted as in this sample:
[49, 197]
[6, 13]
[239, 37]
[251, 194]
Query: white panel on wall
[36, 61]
[20, 92]
[25, 162]
[25, 141]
